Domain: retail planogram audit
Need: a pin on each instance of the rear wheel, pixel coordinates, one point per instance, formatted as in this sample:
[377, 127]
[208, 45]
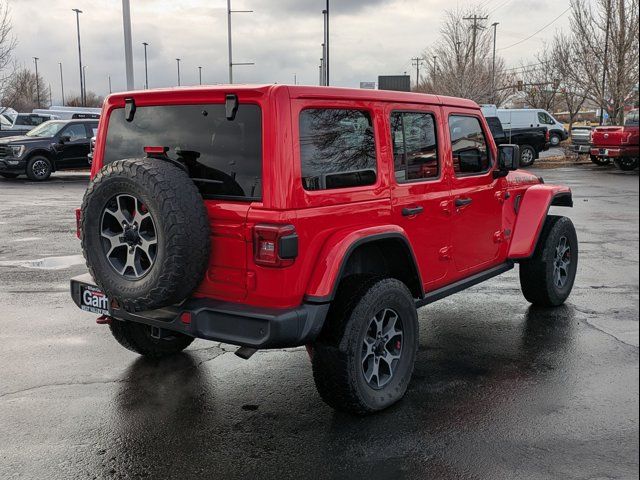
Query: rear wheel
[39, 169]
[627, 163]
[137, 338]
[600, 161]
[527, 155]
[9, 175]
[547, 278]
[363, 360]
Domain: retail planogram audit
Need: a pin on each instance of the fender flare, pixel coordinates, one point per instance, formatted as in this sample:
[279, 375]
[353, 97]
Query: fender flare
[532, 213]
[326, 276]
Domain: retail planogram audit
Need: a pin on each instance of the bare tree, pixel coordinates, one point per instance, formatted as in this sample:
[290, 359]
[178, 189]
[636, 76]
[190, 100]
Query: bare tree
[455, 71]
[93, 100]
[7, 43]
[21, 91]
[541, 82]
[585, 61]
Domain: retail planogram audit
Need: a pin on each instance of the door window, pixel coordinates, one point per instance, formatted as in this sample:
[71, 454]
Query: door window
[545, 118]
[337, 149]
[415, 148]
[469, 146]
[75, 132]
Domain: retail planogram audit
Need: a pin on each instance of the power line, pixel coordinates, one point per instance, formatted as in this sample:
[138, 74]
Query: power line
[499, 6]
[522, 67]
[537, 32]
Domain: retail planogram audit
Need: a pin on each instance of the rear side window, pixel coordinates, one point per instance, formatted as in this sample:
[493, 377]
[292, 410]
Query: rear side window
[415, 149]
[337, 149]
[224, 158]
[469, 146]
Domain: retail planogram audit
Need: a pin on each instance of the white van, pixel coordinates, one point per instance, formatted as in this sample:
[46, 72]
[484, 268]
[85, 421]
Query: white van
[512, 118]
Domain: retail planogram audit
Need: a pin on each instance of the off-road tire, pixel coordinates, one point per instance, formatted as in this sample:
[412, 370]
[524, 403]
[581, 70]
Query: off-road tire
[137, 338]
[627, 164]
[337, 363]
[530, 157]
[9, 176]
[182, 229]
[601, 162]
[537, 273]
[34, 173]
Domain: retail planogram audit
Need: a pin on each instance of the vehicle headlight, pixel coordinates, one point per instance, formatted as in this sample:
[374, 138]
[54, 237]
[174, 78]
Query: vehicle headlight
[17, 150]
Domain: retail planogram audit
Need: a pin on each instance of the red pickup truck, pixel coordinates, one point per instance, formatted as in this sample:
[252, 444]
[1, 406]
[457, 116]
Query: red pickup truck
[618, 143]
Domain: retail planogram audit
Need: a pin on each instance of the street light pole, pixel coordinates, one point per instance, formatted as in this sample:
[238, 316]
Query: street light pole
[110, 89]
[493, 67]
[230, 39]
[82, 96]
[146, 67]
[61, 82]
[84, 79]
[200, 74]
[326, 67]
[128, 48]
[178, 62]
[35, 59]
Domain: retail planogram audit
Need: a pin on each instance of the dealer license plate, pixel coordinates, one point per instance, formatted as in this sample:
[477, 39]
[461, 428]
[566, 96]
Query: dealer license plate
[93, 300]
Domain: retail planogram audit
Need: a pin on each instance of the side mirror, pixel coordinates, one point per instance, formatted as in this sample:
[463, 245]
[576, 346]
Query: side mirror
[64, 139]
[508, 159]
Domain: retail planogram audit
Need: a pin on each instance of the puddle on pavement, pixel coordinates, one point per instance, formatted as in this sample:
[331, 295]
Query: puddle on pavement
[50, 263]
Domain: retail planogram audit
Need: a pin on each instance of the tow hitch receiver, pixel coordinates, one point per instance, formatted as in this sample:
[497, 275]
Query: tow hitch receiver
[160, 333]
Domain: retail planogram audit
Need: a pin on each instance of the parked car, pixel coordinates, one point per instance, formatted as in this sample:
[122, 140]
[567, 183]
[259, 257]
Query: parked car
[72, 113]
[581, 138]
[531, 141]
[54, 145]
[22, 122]
[533, 117]
[618, 143]
[277, 216]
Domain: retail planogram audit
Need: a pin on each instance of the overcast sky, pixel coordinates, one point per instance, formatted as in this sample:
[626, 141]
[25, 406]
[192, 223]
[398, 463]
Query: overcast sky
[283, 37]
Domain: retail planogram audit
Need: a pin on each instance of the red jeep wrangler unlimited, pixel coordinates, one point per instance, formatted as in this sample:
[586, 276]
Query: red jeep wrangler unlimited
[276, 216]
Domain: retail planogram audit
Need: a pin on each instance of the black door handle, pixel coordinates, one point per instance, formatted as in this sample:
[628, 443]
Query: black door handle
[410, 212]
[463, 202]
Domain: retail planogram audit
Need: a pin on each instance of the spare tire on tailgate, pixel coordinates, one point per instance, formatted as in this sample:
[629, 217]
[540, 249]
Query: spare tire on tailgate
[145, 233]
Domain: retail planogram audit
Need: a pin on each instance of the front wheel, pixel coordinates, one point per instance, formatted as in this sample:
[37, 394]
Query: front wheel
[547, 278]
[138, 339]
[600, 161]
[627, 164]
[555, 139]
[364, 358]
[527, 156]
[39, 169]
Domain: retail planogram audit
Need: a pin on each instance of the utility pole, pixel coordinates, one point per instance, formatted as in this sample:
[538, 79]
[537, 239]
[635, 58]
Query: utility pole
[178, 63]
[493, 65]
[230, 40]
[326, 42]
[146, 67]
[475, 27]
[604, 63]
[416, 62]
[35, 59]
[295, 79]
[110, 89]
[323, 62]
[82, 97]
[61, 82]
[84, 80]
[200, 74]
[128, 48]
[50, 96]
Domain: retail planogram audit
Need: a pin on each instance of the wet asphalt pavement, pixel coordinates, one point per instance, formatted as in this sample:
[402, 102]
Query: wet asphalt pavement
[501, 390]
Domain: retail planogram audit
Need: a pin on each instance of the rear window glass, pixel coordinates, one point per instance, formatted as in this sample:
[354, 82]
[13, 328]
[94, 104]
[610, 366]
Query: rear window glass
[337, 149]
[224, 158]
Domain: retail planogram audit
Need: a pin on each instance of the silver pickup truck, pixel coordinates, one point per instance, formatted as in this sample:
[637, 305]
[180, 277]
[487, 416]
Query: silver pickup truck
[581, 139]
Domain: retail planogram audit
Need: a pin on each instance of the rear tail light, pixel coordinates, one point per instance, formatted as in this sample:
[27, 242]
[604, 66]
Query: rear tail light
[547, 136]
[78, 223]
[275, 245]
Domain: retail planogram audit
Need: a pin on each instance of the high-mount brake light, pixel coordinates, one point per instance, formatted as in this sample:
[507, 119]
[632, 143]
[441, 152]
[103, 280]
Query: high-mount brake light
[275, 245]
[151, 150]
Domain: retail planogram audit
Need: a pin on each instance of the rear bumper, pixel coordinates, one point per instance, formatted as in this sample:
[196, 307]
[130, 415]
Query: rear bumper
[231, 323]
[581, 148]
[615, 152]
